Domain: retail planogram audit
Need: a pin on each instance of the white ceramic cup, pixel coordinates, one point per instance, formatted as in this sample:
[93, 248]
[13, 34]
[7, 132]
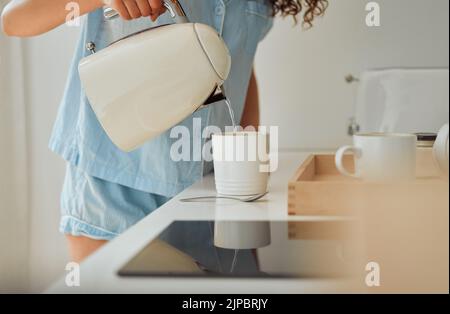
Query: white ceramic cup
[241, 163]
[381, 157]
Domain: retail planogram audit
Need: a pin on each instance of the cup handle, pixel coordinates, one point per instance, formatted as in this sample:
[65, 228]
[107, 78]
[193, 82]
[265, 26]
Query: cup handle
[440, 149]
[339, 159]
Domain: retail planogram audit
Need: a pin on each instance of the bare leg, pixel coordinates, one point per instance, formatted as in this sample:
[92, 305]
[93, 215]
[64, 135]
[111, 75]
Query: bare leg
[250, 117]
[81, 247]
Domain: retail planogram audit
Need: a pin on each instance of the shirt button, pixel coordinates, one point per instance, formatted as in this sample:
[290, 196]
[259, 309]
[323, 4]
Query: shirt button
[220, 10]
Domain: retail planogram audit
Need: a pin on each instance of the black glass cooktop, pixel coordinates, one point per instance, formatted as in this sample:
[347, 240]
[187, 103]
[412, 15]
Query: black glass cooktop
[247, 249]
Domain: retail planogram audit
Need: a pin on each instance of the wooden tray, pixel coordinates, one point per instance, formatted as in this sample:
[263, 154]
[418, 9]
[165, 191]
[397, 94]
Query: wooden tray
[317, 188]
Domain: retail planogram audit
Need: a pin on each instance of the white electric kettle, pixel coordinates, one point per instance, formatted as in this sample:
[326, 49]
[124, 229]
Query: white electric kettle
[144, 84]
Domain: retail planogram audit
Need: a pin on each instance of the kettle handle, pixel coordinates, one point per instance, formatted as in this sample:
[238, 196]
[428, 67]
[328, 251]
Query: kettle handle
[173, 6]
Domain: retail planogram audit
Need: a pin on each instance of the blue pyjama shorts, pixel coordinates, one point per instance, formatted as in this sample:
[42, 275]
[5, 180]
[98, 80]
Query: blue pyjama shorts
[101, 210]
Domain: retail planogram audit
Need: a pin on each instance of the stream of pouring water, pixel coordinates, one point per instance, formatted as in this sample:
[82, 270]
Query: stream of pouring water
[235, 129]
[231, 113]
[233, 263]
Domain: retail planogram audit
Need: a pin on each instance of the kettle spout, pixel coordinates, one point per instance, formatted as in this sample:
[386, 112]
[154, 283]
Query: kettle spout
[215, 97]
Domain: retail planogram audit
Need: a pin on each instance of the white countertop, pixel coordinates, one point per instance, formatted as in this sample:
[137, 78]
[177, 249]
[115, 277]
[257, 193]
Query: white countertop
[99, 272]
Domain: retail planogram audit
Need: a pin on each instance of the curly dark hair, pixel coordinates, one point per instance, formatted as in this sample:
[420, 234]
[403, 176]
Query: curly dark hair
[311, 9]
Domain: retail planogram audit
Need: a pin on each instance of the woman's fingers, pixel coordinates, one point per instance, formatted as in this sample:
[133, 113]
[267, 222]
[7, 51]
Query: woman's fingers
[133, 9]
[158, 8]
[144, 7]
[120, 7]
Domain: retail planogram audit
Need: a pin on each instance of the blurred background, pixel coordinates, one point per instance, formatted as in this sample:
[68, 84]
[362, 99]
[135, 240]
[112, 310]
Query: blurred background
[302, 85]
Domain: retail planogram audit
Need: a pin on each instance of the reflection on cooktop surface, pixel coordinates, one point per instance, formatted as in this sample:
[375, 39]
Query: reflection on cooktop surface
[247, 249]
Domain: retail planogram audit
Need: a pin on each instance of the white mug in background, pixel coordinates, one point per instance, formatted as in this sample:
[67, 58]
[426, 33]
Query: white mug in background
[241, 163]
[441, 150]
[381, 157]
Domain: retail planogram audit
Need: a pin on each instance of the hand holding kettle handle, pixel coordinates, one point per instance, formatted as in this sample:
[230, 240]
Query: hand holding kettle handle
[173, 6]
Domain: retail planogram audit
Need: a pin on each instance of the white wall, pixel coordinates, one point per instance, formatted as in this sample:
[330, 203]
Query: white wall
[5, 162]
[47, 60]
[301, 73]
[13, 168]
[32, 77]
[301, 76]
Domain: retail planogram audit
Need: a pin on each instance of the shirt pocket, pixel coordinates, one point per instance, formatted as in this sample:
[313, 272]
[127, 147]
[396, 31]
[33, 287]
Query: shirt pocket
[259, 20]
